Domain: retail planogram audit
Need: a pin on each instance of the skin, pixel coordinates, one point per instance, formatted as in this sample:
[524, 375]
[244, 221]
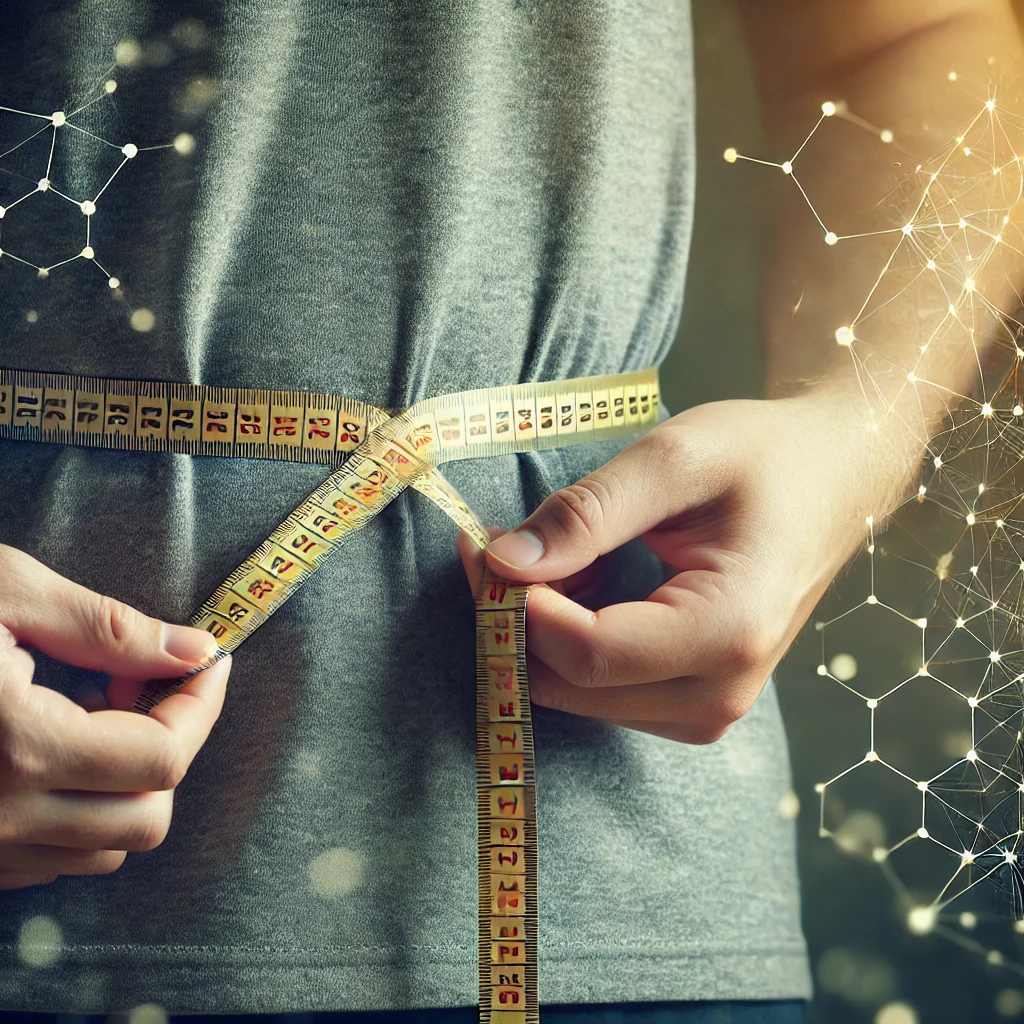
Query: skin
[755, 505]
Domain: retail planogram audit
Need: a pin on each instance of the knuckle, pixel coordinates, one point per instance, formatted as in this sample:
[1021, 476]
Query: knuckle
[147, 830]
[115, 623]
[581, 506]
[170, 769]
[106, 862]
[748, 648]
[704, 735]
[593, 668]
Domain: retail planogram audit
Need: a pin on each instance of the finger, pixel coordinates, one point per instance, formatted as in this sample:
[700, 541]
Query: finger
[22, 880]
[62, 860]
[688, 710]
[639, 488]
[135, 822]
[689, 626]
[73, 624]
[121, 751]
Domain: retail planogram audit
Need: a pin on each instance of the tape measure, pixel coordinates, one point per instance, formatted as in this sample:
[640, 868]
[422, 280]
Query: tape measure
[375, 456]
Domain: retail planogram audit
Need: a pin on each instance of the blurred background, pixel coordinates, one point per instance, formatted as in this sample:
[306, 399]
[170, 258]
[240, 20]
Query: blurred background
[869, 966]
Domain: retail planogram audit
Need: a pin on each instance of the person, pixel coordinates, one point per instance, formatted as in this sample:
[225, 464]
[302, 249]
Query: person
[393, 201]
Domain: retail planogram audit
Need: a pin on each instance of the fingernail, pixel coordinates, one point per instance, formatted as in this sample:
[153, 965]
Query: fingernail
[188, 644]
[520, 548]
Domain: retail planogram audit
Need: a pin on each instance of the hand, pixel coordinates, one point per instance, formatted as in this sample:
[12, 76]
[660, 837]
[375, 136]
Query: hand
[756, 504]
[78, 789]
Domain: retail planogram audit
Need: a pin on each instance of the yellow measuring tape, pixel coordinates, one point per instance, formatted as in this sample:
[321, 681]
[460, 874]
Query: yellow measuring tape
[380, 454]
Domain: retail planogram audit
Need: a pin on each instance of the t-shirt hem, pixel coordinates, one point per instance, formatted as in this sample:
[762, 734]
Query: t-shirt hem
[105, 979]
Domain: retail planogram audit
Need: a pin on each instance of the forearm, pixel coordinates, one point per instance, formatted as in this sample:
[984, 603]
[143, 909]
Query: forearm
[889, 61]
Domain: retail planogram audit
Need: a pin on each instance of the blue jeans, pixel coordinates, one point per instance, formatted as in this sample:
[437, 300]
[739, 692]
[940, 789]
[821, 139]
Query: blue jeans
[773, 1012]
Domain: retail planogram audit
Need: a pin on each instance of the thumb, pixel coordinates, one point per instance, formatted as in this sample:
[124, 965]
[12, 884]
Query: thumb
[629, 495]
[69, 622]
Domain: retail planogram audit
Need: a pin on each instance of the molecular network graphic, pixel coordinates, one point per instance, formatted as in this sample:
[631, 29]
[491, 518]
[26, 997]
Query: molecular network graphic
[942, 815]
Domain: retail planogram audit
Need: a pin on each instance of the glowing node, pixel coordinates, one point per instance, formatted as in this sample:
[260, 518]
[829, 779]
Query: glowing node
[844, 335]
[1018, 410]
[130, 150]
[967, 857]
[58, 118]
[970, 519]
[922, 833]
[828, 108]
[43, 185]
[871, 755]
[961, 223]
[142, 320]
[872, 599]
[184, 143]
[127, 52]
[974, 570]
[921, 920]
[994, 957]
[1018, 927]
[986, 409]
[968, 920]
[879, 854]
[908, 229]
[822, 670]
[31, 316]
[871, 549]
[819, 787]
[831, 238]
[3, 210]
[994, 656]
[923, 671]
[819, 625]
[88, 252]
[930, 264]
[937, 462]
[967, 150]
[843, 667]
[969, 284]
[991, 104]
[952, 309]
[923, 786]
[88, 207]
[787, 167]
[869, 520]
[999, 525]
[886, 135]
[922, 490]
[872, 703]
[972, 701]
[923, 623]
[109, 86]
[952, 76]
[911, 377]
[971, 755]
[113, 282]
[42, 273]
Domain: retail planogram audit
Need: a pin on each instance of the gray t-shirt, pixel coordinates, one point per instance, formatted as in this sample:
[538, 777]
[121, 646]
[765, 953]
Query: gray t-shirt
[390, 201]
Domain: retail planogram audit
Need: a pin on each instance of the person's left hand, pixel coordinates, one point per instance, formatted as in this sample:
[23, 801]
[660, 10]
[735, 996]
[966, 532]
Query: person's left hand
[757, 504]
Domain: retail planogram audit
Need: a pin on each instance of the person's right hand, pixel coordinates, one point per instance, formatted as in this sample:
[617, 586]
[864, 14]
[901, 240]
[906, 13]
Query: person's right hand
[79, 788]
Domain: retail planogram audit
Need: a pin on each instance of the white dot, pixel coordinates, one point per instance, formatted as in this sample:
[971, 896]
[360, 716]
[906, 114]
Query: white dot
[40, 941]
[113, 282]
[969, 284]
[31, 316]
[971, 755]
[142, 320]
[130, 150]
[923, 786]
[886, 135]
[994, 957]
[819, 787]
[994, 656]
[922, 623]
[972, 702]
[1018, 410]
[879, 854]
[872, 599]
[42, 273]
[908, 229]
[127, 52]
[336, 872]
[789, 806]
[930, 264]
[1009, 1002]
[831, 238]
[968, 920]
[828, 108]
[921, 920]
[991, 104]
[970, 519]
[844, 335]
[43, 184]
[58, 118]
[184, 143]
[922, 833]
[872, 703]
[986, 409]
[147, 1013]
[110, 85]
[730, 155]
[896, 1013]
[843, 667]
[88, 207]
[960, 623]
[1018, 927]
[88, 252]
[952, 76]
[871, 755]
[787, 167]
[3, 210]
[822, 670]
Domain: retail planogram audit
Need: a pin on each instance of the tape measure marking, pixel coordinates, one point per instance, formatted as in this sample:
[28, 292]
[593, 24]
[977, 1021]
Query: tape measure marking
[382, 455]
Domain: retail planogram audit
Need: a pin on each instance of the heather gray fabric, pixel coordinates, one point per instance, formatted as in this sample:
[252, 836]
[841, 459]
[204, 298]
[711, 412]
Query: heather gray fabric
[389, 200]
